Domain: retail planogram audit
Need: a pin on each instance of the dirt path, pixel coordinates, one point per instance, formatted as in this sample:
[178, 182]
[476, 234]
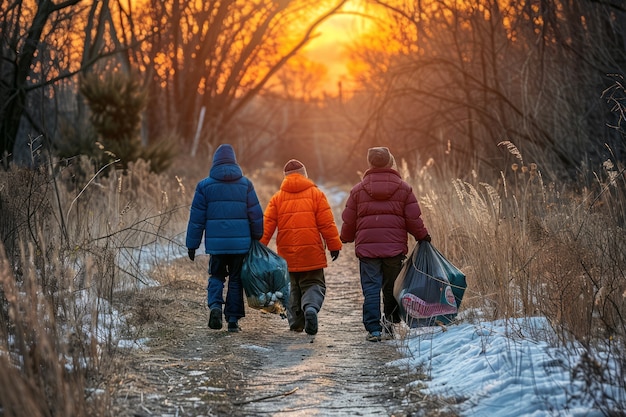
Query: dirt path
[265, 370]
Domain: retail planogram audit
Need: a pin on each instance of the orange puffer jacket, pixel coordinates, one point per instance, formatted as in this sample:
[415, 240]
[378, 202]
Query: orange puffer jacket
[305, 224]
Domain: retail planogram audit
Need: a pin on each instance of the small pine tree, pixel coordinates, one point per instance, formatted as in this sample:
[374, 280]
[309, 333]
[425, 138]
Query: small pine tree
[116, 101]
[160, 154]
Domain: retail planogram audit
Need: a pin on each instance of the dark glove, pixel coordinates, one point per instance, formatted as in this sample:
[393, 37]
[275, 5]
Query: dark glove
[334, 254]
[192, 254]
[426, 239]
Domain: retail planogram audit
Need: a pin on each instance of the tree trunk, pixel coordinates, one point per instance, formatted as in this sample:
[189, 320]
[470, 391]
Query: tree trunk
[12, 111]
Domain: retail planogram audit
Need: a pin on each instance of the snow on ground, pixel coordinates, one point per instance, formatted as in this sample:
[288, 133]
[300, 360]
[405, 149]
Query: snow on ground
[493, 369]
[501, 368]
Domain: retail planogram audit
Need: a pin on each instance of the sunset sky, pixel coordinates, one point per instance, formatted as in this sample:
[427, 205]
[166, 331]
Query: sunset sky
[329, 48]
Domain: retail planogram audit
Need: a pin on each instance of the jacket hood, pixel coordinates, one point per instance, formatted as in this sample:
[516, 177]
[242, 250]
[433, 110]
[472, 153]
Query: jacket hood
[226, 172]
[381, 183]
[295, 183]
[225, 166]
[224, 154]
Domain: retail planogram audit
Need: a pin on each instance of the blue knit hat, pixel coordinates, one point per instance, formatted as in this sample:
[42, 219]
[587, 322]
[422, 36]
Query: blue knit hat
[224, 154]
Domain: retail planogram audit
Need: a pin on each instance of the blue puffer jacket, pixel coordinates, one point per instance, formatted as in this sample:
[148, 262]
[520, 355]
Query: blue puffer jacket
[225, 208]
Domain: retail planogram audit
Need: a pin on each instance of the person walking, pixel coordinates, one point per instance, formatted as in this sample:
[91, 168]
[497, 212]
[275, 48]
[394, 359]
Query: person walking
[226, 209]
[305, 223]
[379, 213]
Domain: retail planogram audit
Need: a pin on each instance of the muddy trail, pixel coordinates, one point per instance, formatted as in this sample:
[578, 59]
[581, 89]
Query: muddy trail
[188, 369]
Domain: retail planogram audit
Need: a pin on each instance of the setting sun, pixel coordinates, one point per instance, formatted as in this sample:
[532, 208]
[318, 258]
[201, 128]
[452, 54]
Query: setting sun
[330, 47]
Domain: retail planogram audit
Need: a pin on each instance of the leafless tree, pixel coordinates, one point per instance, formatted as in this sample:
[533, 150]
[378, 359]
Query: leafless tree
[23, 27]
[465, 76]
[217, 56]
[43, 44]
[209, 55]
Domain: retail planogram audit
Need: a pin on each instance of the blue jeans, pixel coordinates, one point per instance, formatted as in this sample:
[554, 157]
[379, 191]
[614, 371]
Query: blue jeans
[379, 275]
[220, 267]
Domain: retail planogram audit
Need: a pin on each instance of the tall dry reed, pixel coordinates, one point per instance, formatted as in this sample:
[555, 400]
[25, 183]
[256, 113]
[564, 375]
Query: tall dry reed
[531, 248]
[74, 242]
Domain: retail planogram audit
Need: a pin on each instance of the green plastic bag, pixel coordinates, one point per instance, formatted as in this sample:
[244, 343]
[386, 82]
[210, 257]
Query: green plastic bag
[265, 279]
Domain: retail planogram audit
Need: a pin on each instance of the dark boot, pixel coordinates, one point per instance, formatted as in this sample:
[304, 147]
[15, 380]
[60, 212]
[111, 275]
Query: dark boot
[310, 321]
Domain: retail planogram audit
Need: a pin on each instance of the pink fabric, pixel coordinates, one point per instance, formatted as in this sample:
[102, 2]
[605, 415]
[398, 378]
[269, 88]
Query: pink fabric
[420, 309]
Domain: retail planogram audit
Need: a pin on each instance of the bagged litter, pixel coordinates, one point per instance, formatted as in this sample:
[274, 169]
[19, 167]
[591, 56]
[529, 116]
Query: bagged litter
[265, 280]
[423, 289]
[458, 284]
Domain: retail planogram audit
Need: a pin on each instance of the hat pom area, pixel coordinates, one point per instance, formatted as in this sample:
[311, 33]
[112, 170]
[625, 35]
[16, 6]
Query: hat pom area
[379, 157]
[293, 166]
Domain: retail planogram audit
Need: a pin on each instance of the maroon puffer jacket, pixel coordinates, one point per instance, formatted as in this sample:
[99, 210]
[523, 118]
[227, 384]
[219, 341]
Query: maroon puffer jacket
[380, 210]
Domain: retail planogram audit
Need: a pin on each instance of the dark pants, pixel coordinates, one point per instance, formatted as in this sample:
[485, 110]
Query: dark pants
[308, 289]
[220, 267]
[379, 274]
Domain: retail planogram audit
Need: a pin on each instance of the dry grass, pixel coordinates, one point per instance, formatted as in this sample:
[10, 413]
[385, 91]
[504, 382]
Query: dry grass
[527, 248]
[44, 358]
[72, 245]
[535, 249]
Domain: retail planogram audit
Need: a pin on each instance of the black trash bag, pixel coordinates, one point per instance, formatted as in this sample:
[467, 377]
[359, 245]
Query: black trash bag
[422, 289]
[265, 280]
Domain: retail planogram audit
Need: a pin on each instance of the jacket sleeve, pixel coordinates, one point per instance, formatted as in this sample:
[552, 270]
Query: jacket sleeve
[197, 220]
[413, 215]
[255, 213]
[326, 223]
[270, 220]
[348, 216]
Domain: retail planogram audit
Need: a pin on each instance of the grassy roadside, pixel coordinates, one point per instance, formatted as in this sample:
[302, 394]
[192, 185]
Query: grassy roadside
[73, 248]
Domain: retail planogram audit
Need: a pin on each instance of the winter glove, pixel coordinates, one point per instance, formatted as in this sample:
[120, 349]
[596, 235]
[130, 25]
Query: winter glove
[426, 239]
[334, 254]
[192, 254]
